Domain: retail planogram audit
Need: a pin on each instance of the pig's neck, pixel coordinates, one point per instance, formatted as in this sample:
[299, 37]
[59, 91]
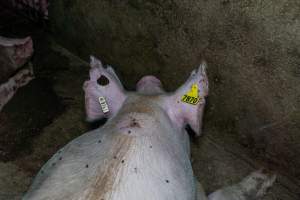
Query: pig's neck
[157, 157]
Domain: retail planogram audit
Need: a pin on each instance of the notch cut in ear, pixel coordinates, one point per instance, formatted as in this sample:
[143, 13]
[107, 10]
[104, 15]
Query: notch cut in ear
[186, 104]
[104, 92]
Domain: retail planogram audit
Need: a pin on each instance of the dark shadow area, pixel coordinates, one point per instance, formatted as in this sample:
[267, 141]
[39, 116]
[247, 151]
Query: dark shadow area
[23, 118]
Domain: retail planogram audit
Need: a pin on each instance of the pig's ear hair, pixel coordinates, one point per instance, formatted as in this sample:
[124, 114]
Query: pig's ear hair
[186, 105]
[104, 93]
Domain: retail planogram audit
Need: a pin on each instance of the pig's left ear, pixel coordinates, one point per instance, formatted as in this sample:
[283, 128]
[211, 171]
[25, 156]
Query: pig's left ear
[104, 93]
[186, 105]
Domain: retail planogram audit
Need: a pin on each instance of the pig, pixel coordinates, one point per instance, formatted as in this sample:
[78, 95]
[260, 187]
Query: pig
[14, 53]
[142, 151]
[9, 88]
[38, 5]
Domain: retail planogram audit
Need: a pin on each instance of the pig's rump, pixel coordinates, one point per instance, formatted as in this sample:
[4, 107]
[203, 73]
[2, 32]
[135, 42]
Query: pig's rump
[112, 163]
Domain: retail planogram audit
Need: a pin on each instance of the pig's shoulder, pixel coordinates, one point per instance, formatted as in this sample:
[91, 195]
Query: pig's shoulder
[74, 164]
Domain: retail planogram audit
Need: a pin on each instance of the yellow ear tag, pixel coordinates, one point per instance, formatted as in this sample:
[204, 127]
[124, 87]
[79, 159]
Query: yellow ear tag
[192, 96]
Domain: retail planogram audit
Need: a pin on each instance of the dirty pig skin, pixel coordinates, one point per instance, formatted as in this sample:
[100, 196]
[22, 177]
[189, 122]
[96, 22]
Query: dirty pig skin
[142, 152]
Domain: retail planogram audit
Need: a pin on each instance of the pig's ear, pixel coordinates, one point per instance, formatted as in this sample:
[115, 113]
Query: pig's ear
[186, 105]
[104, 93]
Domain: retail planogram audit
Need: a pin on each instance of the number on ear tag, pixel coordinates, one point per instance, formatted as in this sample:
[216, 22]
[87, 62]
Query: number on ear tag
[103, 104]
[192, 96]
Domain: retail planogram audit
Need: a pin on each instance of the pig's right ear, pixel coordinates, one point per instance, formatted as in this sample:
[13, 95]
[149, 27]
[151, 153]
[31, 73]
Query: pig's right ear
[104, 93]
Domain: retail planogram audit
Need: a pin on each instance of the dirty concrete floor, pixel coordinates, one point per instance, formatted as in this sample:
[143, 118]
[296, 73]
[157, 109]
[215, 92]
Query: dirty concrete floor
[49, 112]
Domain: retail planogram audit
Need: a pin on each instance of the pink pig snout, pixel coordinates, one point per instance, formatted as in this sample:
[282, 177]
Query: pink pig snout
[149, 85]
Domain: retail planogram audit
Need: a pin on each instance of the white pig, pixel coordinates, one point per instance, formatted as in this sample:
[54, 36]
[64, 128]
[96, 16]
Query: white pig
[142, 152]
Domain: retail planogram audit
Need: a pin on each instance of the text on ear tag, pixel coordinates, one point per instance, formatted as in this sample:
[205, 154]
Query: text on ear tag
[103, 104]
[192, 96]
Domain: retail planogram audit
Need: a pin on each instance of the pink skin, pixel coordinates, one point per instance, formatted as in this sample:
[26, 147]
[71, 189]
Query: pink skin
[113, 92]
[8, 89]
[179, 112]
[14, 54]
[182, 113]
[149, 84]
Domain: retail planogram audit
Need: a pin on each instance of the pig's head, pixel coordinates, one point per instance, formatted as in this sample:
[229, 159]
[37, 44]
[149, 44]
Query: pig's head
[17, 50]
[149, 85]
[105, 95]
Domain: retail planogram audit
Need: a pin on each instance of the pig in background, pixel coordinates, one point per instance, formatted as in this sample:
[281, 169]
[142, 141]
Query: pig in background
[142, 151]
[14, 53]
[38, 5]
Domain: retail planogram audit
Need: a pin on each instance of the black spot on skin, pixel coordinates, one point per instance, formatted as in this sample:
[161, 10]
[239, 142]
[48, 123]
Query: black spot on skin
[87, 166]
[135, 169]
[60, 158]
[135, 124]
[129, 132]
[103, 80]
[115, 157]
[99, 141]
[150, 146]
[122, 161]
[167, 181]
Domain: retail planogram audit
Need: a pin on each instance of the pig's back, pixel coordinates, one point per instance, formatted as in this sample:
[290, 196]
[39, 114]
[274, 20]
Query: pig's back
[119, 162]
[68, 174]
[155, 169]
